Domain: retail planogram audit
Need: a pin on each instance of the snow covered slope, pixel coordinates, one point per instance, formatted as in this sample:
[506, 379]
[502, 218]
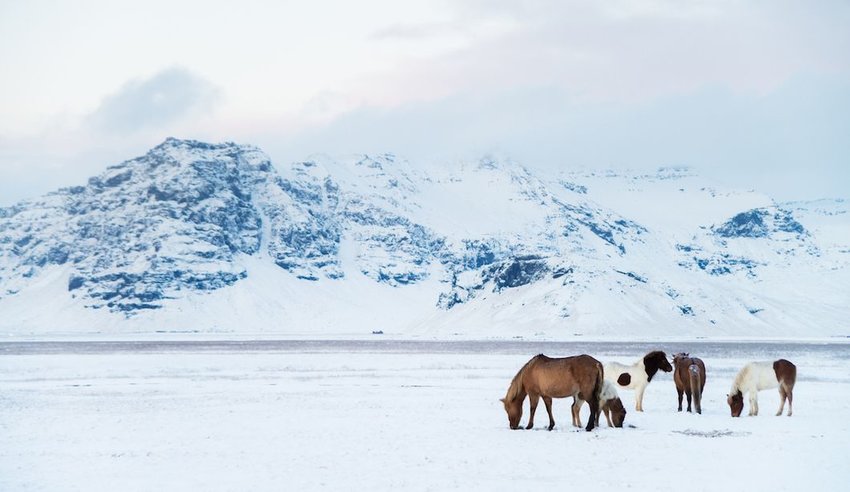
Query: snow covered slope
[213, 238]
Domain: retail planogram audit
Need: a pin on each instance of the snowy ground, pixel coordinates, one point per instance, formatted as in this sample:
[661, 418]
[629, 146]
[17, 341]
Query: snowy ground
[395, 415]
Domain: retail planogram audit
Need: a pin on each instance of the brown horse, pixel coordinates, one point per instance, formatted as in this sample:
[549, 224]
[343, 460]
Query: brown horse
[580, 376]
[689, 376]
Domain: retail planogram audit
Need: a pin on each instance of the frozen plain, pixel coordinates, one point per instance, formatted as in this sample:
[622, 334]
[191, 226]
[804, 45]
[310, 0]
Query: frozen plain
[396, 415]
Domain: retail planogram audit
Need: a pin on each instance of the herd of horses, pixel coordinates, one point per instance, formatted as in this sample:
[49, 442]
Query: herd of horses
[588, 380]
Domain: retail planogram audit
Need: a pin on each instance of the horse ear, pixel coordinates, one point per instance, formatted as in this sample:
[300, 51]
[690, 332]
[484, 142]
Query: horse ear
[503, 400]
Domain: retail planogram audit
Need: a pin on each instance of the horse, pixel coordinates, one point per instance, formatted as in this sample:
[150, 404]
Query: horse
[689, 376]
[609, 404]
[580, 376]
[638, 375]
[757, 376]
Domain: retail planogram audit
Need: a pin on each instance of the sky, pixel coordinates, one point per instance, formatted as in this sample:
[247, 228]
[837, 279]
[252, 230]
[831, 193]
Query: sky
[755, 94]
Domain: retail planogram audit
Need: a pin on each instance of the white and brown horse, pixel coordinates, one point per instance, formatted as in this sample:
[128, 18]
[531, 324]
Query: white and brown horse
[580, 376]
[689, 376]
[757, 376]
[609, 404]
[638, 375]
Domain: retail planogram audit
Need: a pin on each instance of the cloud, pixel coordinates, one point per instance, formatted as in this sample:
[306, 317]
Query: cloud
[755, 91]
[790, 143]
[127, 123]
[630, 51]
[398, 32]
[163, 99]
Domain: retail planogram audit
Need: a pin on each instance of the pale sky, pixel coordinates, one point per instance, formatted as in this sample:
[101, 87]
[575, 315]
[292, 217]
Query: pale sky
[753, 93]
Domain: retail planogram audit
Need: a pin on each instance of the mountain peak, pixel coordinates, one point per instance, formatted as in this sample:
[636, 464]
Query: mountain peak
[172, 142]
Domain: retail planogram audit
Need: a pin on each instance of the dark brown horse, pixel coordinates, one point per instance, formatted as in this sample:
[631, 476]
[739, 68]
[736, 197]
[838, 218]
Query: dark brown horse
[580, 376]
[689, 376]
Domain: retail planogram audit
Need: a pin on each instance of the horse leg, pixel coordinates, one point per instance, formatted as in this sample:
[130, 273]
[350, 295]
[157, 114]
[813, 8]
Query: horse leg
[576, 411]
[548, 402]
[533, 400]
[607, 411]
[639, 398]
[594, 413]
[789, 393]
[782, 396]
[688, 394]
[680, 392]
[754, 403]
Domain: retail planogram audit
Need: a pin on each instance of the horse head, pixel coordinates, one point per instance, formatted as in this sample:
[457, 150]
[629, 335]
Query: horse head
[618, 411]
[654, 361]
[680, 355]
[514, 411]
[736, 403]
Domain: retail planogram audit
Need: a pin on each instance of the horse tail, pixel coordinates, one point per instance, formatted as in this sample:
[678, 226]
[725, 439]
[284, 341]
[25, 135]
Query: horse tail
[696, 389]
[516, 383]
[594, 397]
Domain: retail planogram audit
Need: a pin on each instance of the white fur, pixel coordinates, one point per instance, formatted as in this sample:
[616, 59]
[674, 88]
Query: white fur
[639, 378]
[751, 379]
[609, 392]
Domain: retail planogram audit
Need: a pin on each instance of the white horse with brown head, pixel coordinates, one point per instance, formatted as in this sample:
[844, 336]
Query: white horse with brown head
[609, 404]
[757, 376]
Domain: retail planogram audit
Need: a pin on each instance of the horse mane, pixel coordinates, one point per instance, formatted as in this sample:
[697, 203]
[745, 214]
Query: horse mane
[736, 384]
[516, 382]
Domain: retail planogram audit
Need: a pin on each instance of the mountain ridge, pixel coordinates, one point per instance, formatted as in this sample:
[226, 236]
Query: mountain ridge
[171, 239]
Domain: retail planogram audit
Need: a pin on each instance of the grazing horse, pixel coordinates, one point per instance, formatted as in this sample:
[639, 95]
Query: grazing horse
[689, 376]
[638, 375]
[580, 376]
[757, 376]
[609, 404]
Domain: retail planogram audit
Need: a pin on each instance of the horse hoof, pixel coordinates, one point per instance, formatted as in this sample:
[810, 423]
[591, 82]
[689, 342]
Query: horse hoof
[529, 427]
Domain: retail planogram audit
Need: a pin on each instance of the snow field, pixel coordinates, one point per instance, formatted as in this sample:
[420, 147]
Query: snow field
[337, 419]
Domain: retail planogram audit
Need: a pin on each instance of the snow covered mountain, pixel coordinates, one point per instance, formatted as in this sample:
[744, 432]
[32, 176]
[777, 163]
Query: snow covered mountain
[213, 238]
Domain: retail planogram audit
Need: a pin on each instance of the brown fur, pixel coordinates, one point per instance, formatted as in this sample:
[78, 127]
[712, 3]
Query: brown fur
[615, 412]
[786, 375]
[736, 403]
[654, 361]
[579, 376]
[690, 382]
[613, 409]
